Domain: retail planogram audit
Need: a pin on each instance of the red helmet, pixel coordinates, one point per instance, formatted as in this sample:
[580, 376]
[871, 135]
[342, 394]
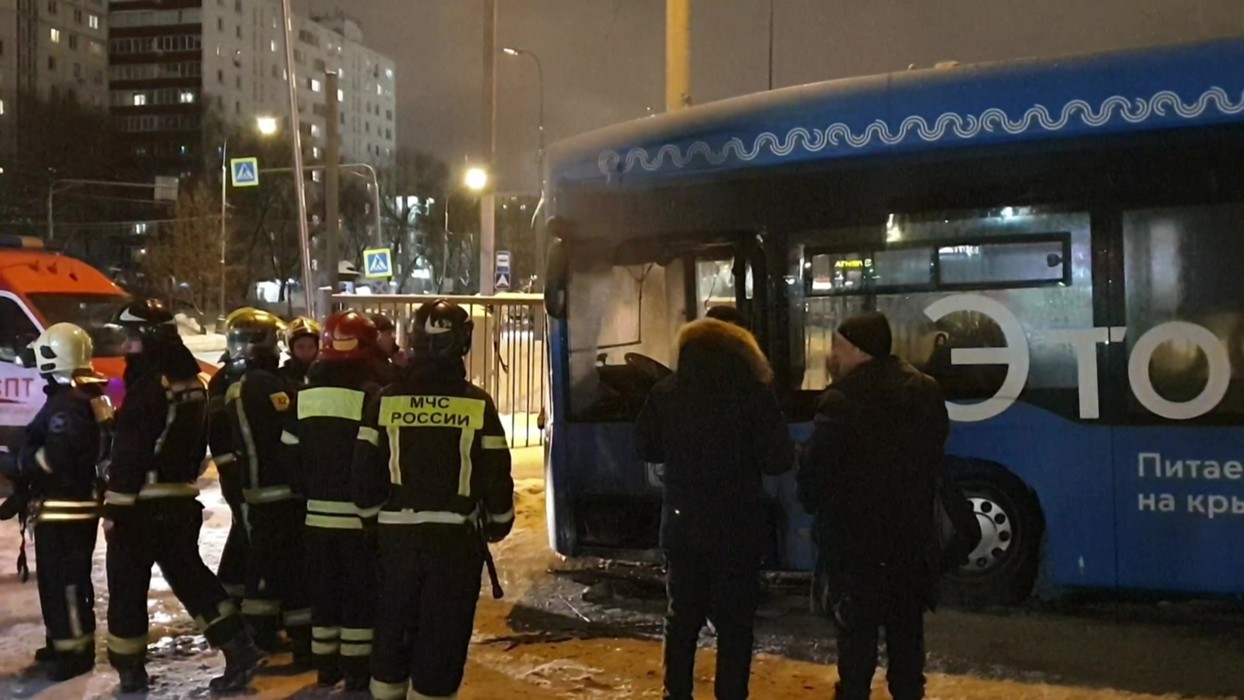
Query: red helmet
[348, 335]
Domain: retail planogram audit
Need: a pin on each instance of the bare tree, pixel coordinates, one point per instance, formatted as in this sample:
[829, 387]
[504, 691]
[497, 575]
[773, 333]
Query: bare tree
[179, 257]
[406, 186]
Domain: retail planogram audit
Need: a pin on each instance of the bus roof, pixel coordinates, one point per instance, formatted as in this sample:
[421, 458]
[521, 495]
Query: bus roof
[1168, 87]
[34, 271]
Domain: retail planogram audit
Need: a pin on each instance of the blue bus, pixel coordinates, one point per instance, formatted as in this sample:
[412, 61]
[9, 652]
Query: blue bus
[1059, 242]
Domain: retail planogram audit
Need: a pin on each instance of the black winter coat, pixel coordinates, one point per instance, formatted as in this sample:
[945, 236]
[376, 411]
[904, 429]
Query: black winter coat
[716, 426]
[869, 475]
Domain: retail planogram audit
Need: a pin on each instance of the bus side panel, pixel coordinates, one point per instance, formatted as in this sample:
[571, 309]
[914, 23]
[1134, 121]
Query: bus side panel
[1069, 467]
[557, 458]
[1180, 499]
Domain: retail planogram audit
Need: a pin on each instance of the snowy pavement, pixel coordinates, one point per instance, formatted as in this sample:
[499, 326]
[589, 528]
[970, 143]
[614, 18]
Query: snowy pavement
[548, 639]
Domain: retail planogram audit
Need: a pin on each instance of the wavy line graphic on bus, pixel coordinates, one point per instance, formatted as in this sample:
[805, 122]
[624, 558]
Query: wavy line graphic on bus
[993, 120]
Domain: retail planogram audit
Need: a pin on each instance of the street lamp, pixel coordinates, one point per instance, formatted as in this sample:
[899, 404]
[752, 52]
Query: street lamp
[266, 126]
[476, 179]
[511, 51]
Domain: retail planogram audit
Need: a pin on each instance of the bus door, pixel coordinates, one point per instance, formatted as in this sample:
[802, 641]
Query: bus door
[1178, 441]
[623, 314]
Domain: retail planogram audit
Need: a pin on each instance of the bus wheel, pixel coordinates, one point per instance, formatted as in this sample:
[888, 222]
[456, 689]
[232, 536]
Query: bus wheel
[1002, 568]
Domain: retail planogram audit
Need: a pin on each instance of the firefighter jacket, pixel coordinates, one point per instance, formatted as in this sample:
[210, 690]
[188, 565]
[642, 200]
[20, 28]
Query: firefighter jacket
[295, 372]
[65, 448]
[318, 446]
[259, 404]
[220, 436]
[432, 450]
[159, 441]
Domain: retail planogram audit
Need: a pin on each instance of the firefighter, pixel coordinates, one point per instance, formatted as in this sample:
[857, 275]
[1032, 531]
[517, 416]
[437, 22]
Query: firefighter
[302, 339]
[65, 447]
[259, 404]
[151, 508]
[433, 456]
[388, 355]
[232, 568]
[340, 556]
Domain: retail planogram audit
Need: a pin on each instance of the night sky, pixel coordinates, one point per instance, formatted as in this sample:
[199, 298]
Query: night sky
[604, 59]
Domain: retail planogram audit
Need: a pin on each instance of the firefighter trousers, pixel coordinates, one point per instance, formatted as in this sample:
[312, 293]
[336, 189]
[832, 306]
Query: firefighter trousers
[164, 532]
[276, 594]
[429, 586]
[64, 551]
[341, 575]
[232, 569]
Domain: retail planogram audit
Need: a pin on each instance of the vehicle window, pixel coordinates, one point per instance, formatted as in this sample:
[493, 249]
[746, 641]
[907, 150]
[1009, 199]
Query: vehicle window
[716, 285]
[1009, 264]
[622, 321]
[92, 312]
[16, 329]
[1183, 266]
[907, 264]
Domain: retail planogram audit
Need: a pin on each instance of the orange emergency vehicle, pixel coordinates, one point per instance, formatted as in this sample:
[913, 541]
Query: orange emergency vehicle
[40, 287]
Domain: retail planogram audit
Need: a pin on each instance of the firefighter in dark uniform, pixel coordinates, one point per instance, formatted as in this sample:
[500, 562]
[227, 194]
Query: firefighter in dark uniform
[302, 339]
[232, 568]
[65, 448]
[388, 356]
[341, 562]
[259, 404]
[433, 456]
[152, 513]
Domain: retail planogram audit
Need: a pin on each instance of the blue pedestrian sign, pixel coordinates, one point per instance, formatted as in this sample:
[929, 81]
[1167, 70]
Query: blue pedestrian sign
[377, 262]
[245, 171]
[502, 280]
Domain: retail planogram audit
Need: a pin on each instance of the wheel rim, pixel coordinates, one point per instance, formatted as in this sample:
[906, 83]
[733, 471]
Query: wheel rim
[997, 534]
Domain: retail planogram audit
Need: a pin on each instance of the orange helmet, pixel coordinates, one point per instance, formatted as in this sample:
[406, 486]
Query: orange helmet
[348, 335]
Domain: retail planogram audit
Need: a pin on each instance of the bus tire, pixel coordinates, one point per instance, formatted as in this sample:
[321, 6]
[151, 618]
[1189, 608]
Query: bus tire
[1003, 567]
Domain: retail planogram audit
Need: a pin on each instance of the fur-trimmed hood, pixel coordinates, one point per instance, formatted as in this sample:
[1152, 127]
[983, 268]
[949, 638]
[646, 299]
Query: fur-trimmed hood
[712, 350]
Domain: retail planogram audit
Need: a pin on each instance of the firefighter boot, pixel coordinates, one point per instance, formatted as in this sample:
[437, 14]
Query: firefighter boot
[242, 660]
[66, 666]
[328, 671]
[300, 640]
[133, 678]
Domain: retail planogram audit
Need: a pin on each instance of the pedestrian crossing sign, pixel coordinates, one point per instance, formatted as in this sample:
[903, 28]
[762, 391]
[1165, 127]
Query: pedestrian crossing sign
[245, 171]
[378, 262]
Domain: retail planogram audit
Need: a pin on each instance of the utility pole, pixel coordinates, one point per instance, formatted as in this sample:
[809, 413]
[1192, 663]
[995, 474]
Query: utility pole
[224, 228]
[487, 203]
[677, 54]
[310, 293]
[332, 182]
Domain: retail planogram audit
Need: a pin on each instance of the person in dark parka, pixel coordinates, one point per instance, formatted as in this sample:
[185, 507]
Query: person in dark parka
[869, 476]
[717, 428]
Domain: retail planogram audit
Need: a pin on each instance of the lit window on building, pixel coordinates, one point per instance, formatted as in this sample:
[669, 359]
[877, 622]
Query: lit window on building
[272, 45]
[1, 108]
[140, 99]
[379, 90]
[341, 95]
[186, 97]
[93, 21]
[315, 85]
[55, 36]
[388, 73]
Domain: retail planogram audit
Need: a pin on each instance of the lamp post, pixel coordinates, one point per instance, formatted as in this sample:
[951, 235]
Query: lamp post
[266, 126]
[511, 51]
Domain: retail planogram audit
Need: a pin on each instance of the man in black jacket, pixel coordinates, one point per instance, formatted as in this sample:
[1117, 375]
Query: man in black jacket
[151, 510]
[259, 406]
[66, 445]
[341, 557]
[717, 428]
[869, 476]
[433, 458]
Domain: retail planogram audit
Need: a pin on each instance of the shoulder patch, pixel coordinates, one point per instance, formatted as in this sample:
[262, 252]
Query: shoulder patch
[59, 422]
[280, 400]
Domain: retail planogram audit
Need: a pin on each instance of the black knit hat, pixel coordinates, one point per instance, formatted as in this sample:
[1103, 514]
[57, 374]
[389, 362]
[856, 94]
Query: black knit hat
[869, 332]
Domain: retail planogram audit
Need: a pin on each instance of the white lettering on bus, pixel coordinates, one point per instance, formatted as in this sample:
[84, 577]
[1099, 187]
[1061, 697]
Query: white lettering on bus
[1083, 343]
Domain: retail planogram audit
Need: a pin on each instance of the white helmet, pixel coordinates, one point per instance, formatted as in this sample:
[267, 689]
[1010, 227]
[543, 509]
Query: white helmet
[63, 349]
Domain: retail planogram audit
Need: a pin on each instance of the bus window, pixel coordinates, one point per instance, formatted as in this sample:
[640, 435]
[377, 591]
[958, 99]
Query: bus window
[622, 321]
[1036, 263]
[1184, 265]
[715, 285]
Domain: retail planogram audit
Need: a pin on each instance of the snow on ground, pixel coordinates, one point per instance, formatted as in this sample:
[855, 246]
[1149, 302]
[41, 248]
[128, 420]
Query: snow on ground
[544, 641]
